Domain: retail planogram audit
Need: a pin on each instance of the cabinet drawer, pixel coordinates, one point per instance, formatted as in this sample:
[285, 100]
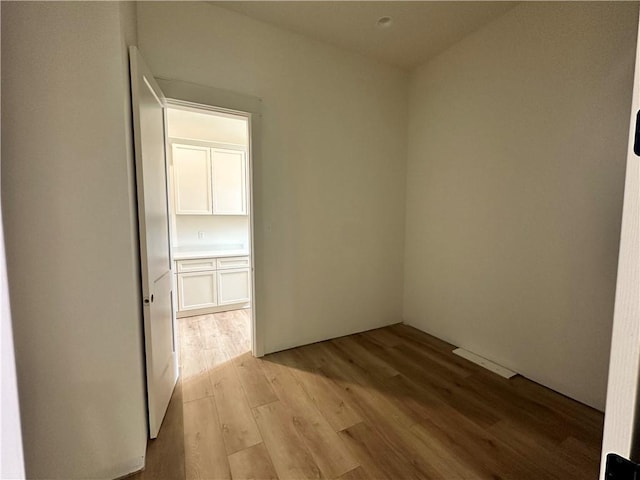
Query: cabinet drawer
[233, 262]
[196, 265]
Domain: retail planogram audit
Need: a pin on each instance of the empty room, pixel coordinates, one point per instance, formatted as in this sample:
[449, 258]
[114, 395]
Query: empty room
[342, 240]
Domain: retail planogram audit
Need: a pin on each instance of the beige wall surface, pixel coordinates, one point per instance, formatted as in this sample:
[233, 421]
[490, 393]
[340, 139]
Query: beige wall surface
[70, 227]
[517, 147]
[329, 192]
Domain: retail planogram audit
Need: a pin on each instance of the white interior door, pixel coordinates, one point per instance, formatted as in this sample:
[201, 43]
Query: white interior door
[11, 454]
[622, 424]
[151, 180]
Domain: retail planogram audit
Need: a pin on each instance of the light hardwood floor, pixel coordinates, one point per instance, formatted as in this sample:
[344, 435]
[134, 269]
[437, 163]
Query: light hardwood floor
[390, 403]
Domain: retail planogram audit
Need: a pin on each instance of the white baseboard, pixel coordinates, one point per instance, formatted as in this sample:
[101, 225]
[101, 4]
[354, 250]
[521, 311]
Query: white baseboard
[483, 362]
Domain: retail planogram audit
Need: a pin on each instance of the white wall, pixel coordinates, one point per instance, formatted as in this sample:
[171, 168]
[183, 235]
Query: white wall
[329, 194]
[205, 126]
[517, 147]
[69, 218]
[218, 230]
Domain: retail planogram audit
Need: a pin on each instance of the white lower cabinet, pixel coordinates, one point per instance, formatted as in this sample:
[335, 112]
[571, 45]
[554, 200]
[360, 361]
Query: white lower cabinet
[233, 286]
[212, 284]
[197, 290]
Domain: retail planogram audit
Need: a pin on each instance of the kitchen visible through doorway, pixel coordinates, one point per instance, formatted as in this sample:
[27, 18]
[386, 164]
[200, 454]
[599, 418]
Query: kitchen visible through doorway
[209, 183]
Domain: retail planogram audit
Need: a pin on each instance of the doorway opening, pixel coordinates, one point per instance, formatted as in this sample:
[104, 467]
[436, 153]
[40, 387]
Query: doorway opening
[209, 191]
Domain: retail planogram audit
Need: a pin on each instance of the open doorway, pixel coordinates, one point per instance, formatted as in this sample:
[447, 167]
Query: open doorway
[209, 191]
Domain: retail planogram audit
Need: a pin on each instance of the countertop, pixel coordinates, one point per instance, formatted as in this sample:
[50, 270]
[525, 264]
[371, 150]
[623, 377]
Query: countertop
[208, 251]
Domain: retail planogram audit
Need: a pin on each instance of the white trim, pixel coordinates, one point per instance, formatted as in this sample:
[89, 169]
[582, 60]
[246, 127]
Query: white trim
[207, 109]
[257, 338]
[206, 143]
[216, 309]
[202, 96]
[485, 363]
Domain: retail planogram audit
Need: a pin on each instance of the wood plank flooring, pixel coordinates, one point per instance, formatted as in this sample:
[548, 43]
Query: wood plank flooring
[392, 403]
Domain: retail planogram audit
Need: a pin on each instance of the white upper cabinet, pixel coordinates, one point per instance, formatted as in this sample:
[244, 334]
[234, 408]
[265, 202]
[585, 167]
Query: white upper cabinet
[192, 180]
[229, 182]
[209, 180]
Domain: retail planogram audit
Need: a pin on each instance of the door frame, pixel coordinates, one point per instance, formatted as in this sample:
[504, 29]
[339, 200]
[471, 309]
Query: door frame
[190, 95]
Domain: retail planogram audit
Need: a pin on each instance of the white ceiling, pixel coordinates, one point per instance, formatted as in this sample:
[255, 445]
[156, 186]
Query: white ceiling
[419, 30]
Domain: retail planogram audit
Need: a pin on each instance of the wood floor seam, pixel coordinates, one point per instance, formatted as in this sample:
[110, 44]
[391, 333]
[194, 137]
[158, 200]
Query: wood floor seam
[268, 403]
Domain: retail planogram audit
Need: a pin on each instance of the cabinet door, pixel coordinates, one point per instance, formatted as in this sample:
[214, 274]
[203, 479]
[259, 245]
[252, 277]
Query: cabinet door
[229, 181]
[192, 180]
[233, 286]
[197, 290]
